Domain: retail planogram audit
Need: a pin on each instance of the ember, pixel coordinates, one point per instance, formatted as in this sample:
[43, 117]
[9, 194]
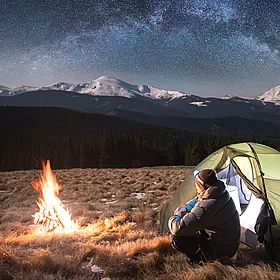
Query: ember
[52, 213]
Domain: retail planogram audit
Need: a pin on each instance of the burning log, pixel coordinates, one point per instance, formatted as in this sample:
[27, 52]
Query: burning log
[52, 214]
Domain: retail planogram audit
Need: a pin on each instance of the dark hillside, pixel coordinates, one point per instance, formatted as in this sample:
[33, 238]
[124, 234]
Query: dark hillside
[228, 126]
[73, 139]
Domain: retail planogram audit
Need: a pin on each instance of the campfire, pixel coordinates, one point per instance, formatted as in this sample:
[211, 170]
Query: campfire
[52, 214]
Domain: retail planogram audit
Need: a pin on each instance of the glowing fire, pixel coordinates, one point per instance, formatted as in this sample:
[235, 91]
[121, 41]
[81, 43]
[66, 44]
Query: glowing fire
[52, 213]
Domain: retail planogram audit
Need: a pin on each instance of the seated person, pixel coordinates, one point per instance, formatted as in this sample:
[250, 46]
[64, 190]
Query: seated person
[211, 229]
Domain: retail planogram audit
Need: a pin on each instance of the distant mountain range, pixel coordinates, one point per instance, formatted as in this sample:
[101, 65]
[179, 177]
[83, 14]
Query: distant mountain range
[108, 86]
[103, 86]
[145, 103]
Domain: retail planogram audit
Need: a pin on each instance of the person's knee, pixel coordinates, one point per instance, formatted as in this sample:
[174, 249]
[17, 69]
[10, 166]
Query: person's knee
[185, 244]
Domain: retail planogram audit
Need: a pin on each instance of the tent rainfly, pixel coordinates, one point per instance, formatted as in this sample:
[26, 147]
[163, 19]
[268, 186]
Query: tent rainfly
[251, 173]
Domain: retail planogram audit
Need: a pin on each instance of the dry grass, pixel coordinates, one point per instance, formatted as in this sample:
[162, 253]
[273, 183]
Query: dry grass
[118, 230]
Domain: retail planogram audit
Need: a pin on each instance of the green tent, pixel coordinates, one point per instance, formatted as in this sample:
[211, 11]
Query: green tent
[251, 173]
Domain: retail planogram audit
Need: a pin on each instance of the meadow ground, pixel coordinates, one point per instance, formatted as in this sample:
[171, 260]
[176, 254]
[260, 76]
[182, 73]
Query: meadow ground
[118, 215]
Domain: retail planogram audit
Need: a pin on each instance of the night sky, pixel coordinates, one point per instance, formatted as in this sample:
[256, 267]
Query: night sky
[204, 47]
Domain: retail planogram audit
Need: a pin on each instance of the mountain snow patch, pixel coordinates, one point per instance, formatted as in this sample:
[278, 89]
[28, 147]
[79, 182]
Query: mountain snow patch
[199, 103]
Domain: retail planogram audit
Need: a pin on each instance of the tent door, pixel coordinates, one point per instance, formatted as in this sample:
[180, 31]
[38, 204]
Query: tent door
[248, 221]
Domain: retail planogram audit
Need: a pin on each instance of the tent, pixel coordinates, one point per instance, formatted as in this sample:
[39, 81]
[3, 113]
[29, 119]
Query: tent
[251, 173]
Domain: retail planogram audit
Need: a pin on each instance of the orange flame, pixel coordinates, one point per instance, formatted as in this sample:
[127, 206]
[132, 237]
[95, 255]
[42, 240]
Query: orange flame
[52, 213]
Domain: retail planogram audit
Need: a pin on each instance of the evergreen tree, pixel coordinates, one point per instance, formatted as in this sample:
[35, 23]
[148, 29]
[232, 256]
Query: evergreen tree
[197, 152]
[106, 151]
[173, 153]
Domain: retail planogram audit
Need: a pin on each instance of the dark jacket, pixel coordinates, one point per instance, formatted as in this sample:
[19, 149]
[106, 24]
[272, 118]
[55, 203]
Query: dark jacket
[215, 212]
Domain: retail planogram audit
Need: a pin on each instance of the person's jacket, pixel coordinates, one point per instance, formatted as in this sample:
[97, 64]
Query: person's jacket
[216, 213]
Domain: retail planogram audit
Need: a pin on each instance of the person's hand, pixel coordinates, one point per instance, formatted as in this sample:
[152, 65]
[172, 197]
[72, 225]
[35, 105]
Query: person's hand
[180, 211]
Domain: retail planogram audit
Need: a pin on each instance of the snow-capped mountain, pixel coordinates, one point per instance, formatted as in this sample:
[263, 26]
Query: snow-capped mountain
[60, 86]
[108, 86]
[144, 103]
[103, 86]
[273, 95]
[5, 91]
[230, 115]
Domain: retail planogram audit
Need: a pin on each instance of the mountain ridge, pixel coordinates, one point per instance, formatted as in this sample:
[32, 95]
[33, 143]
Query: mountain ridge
[102, 86]
[110, 96]
[109, 86]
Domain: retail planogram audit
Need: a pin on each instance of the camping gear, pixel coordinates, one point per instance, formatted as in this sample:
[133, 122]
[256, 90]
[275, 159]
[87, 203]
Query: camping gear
[251, 173]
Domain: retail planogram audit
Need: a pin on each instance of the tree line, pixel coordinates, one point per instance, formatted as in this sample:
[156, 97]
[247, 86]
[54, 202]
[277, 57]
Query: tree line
[78, 140]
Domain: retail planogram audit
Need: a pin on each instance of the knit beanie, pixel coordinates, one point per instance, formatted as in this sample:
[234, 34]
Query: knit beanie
[207, 176]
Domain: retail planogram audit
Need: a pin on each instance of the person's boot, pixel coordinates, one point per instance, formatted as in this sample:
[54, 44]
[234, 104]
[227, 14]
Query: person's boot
[199, 257]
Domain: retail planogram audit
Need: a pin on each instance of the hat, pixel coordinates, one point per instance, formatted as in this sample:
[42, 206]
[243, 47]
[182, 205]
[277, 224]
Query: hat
[207, 176]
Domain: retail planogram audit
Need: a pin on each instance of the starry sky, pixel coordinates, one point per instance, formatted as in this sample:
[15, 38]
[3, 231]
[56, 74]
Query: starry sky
[204, 47]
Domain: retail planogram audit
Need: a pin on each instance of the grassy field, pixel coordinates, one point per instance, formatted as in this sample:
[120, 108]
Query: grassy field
[118, 215]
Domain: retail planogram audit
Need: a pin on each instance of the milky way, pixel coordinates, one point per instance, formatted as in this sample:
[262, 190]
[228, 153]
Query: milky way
[205, 47]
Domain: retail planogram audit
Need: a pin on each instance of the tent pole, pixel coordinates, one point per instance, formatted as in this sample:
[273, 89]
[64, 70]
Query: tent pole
[267, 202]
